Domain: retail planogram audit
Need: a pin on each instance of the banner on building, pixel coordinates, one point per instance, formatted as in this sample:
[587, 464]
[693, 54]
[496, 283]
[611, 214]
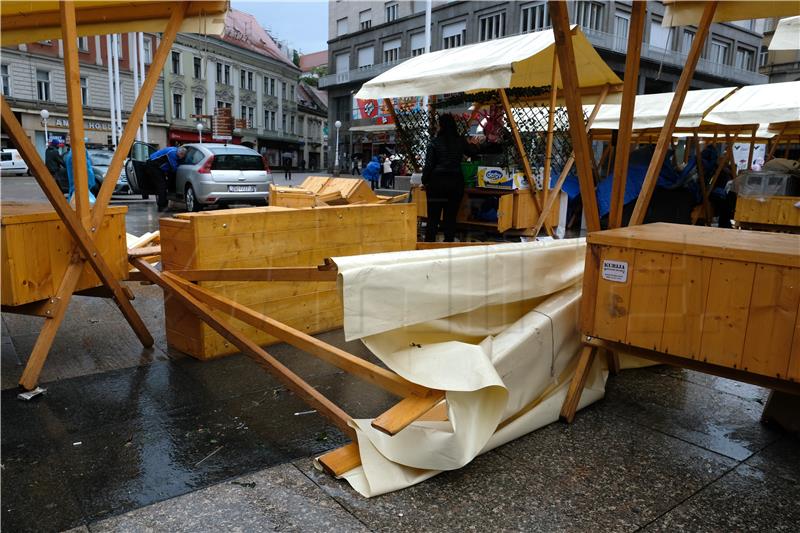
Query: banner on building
[379, 112]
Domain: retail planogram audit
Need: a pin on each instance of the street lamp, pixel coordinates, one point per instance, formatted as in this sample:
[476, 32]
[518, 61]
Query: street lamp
[200, 132]
[45, 115]
[338, 125]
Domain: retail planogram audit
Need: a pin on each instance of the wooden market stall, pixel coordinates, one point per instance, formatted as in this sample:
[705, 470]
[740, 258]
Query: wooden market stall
[86, 235]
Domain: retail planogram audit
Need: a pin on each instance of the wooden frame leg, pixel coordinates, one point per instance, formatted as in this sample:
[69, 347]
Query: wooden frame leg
[577, 384]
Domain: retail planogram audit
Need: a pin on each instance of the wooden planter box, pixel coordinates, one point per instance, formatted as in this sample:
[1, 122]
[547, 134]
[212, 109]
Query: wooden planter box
[36, 248]
[274, 237]
[764, 211]
[725, 297]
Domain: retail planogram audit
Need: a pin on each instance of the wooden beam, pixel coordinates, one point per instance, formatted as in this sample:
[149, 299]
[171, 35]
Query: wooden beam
[643, 202]
[341, 460]
[775, 142]
[702, 180]
[369, 372]
[72, 75]
[258, 274]
[572, 96]
[405, 412]
[523, 154]
[145, 251]
[752, 149]
[551, 119]
[585, 360]
[277, 369]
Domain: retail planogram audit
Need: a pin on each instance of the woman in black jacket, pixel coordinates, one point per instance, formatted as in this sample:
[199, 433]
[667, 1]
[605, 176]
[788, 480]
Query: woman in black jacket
[442, 178]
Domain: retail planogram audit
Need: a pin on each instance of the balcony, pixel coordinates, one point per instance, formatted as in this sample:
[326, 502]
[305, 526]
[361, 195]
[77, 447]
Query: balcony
[615, 43]
[359, 74]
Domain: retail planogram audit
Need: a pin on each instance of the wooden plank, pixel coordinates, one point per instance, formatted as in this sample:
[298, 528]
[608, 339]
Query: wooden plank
[259, 274]
[771, 321]
[612, 304]
[570, 406]
[686, 302]
[572, 96]
[405, 412]
[727, 309]
[775, 210]
[551, 116]
[687, 72]
[146, 251]
[341, 460]
[794, 358]
[648, 299]
[702, 180]
[591, 275]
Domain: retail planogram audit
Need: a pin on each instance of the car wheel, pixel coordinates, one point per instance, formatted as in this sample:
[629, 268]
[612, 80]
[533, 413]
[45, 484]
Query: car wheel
[190, 199]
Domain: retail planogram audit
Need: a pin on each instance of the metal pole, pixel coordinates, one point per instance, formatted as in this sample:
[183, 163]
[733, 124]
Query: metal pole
[140, 43]
[134, 57]
[111, 107]
[428, 22]
[117, 100]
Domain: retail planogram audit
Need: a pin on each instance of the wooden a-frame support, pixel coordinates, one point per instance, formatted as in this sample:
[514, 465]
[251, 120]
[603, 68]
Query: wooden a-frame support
[82, 223]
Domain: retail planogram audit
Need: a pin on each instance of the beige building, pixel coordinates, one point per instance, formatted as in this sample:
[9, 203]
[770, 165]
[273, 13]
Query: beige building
[779, 65]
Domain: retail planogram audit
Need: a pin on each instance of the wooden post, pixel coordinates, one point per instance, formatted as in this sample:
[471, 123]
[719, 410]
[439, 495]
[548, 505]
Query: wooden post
[630, 87]
[551, 119]
[572, 97]
[643, 202]
[701, 178]
[752, 148]
[72, 75]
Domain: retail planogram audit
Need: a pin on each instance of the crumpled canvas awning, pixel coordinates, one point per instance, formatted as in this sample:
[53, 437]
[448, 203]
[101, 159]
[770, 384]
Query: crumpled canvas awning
[688, 12]
[651, 110]
[759, 104]
[787, 35]
[520, 61]
[25, 22]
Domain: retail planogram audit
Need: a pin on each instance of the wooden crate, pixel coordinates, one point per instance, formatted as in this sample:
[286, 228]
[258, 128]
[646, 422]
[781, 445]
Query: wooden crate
[768, 210]
[274, 237]
[36, 248]
[725, 297]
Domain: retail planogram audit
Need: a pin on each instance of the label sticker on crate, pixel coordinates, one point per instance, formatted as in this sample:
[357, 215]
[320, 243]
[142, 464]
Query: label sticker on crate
[615, 271]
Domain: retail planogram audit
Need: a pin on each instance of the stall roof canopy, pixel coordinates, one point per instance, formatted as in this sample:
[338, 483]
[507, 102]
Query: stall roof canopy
[787, 35]
[25, 22]
[689, 12]
[754, 104]
[520, 61]
[651, 110]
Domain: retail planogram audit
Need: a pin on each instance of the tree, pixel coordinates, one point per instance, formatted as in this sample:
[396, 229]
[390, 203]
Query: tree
[296, 57]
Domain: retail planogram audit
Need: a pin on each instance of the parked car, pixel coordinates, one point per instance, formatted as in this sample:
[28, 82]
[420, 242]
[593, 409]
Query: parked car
[12, 163]
[101, 159]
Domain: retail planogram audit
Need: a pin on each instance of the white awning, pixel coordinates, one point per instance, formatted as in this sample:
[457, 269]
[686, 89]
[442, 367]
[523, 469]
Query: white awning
[689, 12]
[787, 35]
[759, 104]
[520, 61]
[373, 128]
[651, 110]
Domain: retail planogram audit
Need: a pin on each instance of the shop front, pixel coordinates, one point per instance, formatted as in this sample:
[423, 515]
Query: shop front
[273, 150]
[183, 136]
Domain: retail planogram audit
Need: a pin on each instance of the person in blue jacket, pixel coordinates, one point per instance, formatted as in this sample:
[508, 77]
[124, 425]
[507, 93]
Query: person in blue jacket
[373, 172]
[92, 183]
[160, 166]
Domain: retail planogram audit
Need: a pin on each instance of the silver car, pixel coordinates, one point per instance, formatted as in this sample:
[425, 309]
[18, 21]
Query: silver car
[219, 174]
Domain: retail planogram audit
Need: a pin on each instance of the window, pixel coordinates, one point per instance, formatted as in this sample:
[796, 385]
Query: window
[391, 50]
[5, 80]
[492, 26]
[763, 57]
[199, 106]
[745, 59]
[219, 72]
[417, 44]
[622, 23]
[272, 86]
[243, 113]
[269, 119]
[249, 81]
[84, 92]
[718, 52]
[227, 77]
[148, 51]
[291, 93]
[283, 123]
[366, 56]
[177, 105]
[688, 39]
[242, 76]
[391, 12]
[454, 35]
[589, 15]
[176, 62]
[283, 90]
[43, 85]
[291, 125]
[660, 37]
[535, 17]
[365, 19]
[198, 68]
[341, 27]
[83, 44]
[342, 62]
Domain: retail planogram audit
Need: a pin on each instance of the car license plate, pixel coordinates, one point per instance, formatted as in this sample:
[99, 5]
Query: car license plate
[241, 188]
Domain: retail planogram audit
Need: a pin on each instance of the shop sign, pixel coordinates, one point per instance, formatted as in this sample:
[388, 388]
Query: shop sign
[89, 125]
[372, 109]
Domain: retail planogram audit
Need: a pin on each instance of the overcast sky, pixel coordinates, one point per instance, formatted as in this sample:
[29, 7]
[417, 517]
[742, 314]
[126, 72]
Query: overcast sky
[303, 23]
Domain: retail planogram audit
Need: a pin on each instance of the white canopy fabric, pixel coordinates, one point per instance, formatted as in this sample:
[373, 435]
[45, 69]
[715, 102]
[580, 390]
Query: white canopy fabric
[520, 61]
[651, 110]
[759, 104]
[372, 128]
[787, 35]
[688, 12]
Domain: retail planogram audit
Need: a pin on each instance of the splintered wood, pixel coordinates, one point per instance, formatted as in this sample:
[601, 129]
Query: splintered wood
[273, 237]
[316, 191]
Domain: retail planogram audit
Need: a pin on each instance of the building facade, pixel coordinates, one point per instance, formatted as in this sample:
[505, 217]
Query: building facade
[368, 38]
[779, 65]
[313, 112]
[243, 70]
[33, 79]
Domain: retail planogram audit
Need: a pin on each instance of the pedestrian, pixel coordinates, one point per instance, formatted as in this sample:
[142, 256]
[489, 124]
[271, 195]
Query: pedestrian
[54, 162]
[388, 174]
[287, 165]
[356, 170]
[90, 181]
[161, 166]
[442, 178]
[372, 172]
[302, 164]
